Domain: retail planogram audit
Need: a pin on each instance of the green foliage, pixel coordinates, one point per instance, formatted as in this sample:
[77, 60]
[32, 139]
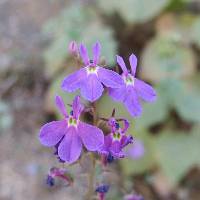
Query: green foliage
[195, 32]
[6, 118]
[177, 153]
[81, 24]
[145, 163]
[168, 57]
[134, 11]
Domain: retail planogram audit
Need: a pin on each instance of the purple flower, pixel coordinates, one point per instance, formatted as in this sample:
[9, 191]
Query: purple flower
[90, 78]
[71, 133]
[136, 150]
[116, 140]
[60, 173]
[133, 197]
[132, 89]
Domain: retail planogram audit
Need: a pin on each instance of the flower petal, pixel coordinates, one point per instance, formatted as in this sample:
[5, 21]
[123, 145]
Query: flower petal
[96, 52]
[51, 133]
[133, 63]
[107, 143]
[61, 106]
[116, 149]
[132, 103]
[70, 148]
[117, 94]
[84, 54]
[110, 78]
[72, 82]
[145, 91]
[92, 137]
[121, 63]
[91, 89]
[77, 107]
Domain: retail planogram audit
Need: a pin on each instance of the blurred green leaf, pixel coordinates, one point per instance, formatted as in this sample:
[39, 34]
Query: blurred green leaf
[79, 23]
[145, 163]
[168, 58]
[195, 31]
[6, 118]
[177, 153]
[134, 11]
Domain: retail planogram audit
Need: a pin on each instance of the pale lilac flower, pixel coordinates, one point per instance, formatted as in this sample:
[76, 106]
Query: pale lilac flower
[132, 88]
[90, 78]
[133, 197]
[116, 140]
[136, 150]
[71, 133]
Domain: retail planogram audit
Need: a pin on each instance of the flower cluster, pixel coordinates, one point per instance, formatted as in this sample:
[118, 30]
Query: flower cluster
[70, 134]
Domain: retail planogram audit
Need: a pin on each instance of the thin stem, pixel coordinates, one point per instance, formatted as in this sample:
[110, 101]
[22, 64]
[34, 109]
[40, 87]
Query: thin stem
[90, 191]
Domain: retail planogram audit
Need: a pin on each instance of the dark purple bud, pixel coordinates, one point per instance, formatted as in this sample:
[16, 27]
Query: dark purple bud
[50, 181]
[71, 112]
[102, 188]
[110, 158]
[117, 125]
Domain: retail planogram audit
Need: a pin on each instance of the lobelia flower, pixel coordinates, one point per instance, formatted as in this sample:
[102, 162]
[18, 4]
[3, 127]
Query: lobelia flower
[132, 88]
[133, 197]
[60, 173]
[70, 133]
[136, 150]
[90, 78]
[116, 140]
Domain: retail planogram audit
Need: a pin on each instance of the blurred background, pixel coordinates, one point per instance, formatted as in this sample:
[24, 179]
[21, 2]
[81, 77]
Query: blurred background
[34, 58]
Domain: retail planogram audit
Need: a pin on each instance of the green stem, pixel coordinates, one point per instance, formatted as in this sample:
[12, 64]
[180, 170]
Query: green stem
[91, 177]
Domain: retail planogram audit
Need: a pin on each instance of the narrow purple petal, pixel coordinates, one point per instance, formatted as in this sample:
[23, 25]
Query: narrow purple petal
[91, 89]
[107, 143]
[145, 91]
[126, 125]
[51, 133]
[84, 54]
[77, 107]
[70, 148]
[117, 94]
[96, 52]
[73, 81]
[132, 103]
[92, 137]
[121, 63]
[133, 63]
[116, 149]
[61, 106]
[110, 78]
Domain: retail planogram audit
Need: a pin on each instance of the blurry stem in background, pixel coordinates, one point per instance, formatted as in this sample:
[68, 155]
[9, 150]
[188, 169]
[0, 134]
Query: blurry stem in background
[90, 192]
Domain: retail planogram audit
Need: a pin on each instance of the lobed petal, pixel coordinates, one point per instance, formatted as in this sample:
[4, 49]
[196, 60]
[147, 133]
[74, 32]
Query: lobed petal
[91, 89]
[51, 133]
[96, 52]
[133, 63]
[84, 54]
[145, 91]
[110, 78]
[70, 148]
[61, 106]
[92, 137]
[77, 107]
[73, 81]
[117, 94]
[132, 103]
[122, 64]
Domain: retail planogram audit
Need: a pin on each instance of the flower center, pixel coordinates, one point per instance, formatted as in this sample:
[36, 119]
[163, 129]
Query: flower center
[72, 121]
[128, 79]
[92, 69]
[117, 136]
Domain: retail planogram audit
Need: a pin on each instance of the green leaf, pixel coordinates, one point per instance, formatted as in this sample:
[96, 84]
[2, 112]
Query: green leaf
[145, 163]
[6, 119]
[177, 153]
[79, 23]
[195, 31]
[134, 11]
[166, 57]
